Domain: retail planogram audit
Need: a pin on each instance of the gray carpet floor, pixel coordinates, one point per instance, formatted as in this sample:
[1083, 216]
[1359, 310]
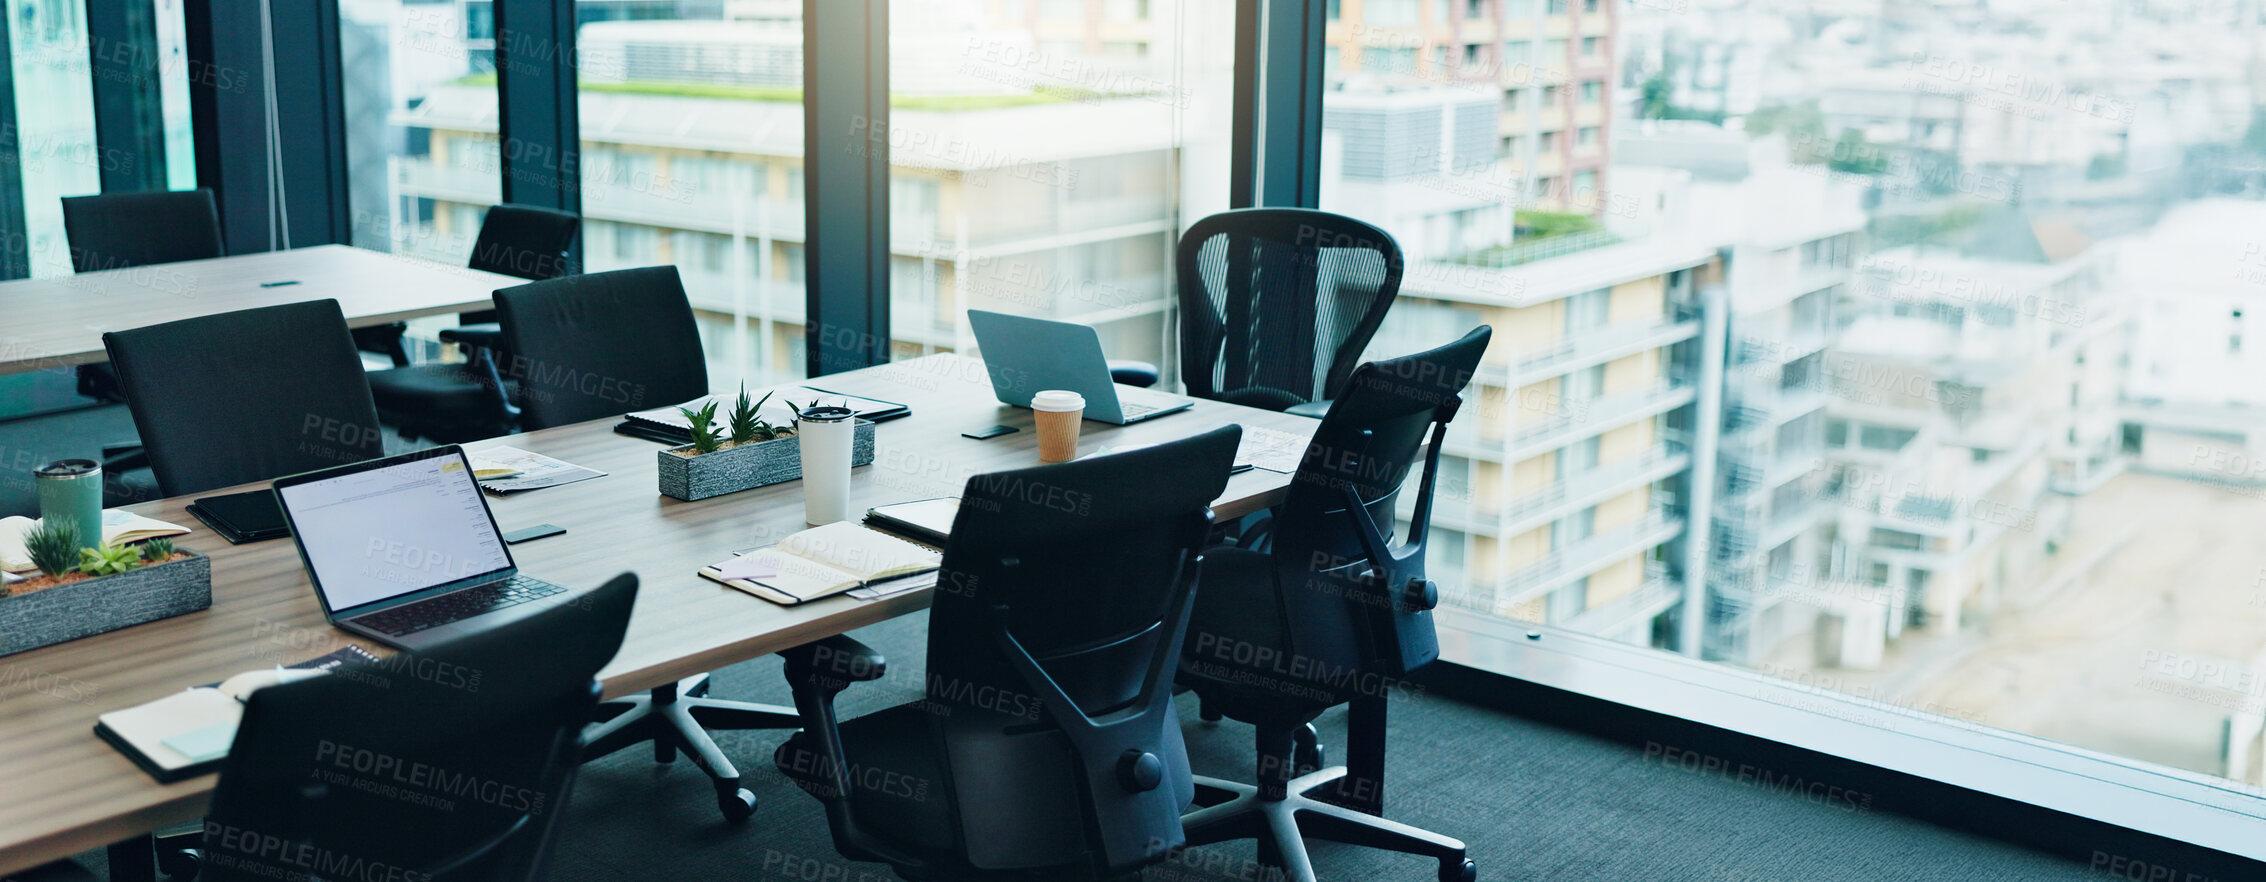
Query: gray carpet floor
[1533, 801]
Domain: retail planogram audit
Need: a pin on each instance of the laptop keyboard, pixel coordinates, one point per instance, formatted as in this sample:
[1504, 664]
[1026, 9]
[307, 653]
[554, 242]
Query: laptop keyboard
[438, 611]
[1134, 411]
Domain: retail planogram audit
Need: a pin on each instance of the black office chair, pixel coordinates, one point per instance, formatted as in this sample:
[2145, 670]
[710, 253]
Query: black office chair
[245, 396]
[454, 764]
[1046, 746]
[526, 241]
[601, 345]
[469, 400]
[1335, 594]
[1276, 306]
[121, 230]
[117, 230]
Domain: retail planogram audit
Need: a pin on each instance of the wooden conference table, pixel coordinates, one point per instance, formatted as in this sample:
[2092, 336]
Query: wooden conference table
[66, 791]
[59, 322]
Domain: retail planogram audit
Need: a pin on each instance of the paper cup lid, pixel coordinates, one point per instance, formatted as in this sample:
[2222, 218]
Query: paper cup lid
[1058, 400]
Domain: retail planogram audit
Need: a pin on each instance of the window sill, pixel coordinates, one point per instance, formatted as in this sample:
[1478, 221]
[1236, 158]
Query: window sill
[2157, 800]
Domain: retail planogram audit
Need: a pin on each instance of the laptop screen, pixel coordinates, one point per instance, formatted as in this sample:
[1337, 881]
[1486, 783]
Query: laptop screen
[379, 533]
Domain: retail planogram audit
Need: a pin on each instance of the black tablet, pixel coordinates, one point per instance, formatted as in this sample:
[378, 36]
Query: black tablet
[242, 517]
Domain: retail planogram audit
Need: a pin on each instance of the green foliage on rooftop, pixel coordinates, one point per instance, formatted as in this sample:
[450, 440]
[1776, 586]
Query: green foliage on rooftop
[1934, 228]
[1792, 119]
[1541, 235]
[1545, 224]
[787, 95]
[1656, 104]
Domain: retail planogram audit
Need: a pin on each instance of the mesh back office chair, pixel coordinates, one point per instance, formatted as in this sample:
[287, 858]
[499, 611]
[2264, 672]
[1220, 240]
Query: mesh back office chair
[453, 765]
[1277, 304]
[1337, 595]
[469, 400]
[214, 410]
[601, 345]
[1046, 744]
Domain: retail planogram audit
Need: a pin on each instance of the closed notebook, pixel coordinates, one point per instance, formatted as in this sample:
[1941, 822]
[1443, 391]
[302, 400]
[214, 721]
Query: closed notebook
[922, 520]
[118, 528]
[822, 562]
[188, 733]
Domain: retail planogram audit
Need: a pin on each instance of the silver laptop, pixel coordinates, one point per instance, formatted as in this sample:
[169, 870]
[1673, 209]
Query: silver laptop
[404, 550]
[1026, 356]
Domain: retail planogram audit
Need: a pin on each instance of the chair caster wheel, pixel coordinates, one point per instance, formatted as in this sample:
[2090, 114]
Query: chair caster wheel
[737, 805]
[1463, 872]
[1307, 754]
[181, 865]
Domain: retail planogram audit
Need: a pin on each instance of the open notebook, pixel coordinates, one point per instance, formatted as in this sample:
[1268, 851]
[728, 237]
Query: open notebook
[118, 527]
[823, 561]
[188, 733]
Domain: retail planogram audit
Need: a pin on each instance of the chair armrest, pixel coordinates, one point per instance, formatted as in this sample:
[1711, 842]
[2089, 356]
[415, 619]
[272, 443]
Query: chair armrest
[487, 336]
[813, 758]
[831, 665]
[1264, 398]
[1132, 373]
[1314, 409]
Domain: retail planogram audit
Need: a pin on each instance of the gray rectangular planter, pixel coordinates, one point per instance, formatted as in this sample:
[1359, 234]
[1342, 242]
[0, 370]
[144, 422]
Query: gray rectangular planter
[92, 606]
[746, 467]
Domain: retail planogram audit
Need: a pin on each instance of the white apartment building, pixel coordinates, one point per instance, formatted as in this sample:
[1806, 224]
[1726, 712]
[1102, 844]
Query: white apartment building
[1966, 392]
[1790, 239]
[2193, 401]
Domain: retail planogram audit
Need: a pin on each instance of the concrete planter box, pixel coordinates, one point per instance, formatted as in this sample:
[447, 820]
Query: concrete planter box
[92, 606]
[746, 467]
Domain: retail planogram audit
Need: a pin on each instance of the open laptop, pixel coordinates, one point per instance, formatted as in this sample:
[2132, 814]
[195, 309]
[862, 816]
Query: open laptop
[1026, 356]
[404, 550]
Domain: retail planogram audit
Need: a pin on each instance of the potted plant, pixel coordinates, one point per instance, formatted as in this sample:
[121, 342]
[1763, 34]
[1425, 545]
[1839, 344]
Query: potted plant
[745, 453]
[84, 590]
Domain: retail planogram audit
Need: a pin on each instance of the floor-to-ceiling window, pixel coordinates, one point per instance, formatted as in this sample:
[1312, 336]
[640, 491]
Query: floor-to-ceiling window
[692, 154]
[423, 159]
[1977, 420]
[47, 43]
[1045, 156]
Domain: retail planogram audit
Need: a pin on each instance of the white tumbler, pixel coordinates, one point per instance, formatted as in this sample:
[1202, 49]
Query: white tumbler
[826, 435]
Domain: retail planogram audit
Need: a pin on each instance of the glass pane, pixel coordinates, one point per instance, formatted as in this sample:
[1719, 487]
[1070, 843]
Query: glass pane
[422, 164]
[1044, 160]
[692, 148]
[173, 96]
[55, 116]
[1985, 416]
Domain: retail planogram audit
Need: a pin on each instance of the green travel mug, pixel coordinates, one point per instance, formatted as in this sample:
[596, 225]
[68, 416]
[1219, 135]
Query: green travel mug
[71, 490]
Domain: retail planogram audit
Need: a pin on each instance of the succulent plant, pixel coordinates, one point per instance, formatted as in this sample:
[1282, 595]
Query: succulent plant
[157, 550]
[704, 437]
[54, 548]
[109, 560]
[747, 425]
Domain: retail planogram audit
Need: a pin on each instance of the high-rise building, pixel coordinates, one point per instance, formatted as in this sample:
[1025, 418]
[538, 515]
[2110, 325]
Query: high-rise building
[1546, 65]
[1560, 492]
[692, 154]
[1969, 389]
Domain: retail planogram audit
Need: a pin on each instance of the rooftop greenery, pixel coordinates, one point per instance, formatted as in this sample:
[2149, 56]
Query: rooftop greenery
[1540, 235]
[734, 92]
